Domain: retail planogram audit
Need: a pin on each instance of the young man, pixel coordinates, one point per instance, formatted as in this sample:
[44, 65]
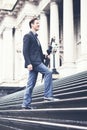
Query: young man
[34, 58]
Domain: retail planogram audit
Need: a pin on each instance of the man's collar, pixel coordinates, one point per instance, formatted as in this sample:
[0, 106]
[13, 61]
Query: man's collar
[35, 33]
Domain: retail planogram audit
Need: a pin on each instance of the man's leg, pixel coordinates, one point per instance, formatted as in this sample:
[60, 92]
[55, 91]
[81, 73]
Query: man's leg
[47, 79]
[29, 88]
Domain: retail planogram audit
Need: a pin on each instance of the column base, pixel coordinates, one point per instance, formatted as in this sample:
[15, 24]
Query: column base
[55, 74]
[67, 70]
[54, 71]
[82, 64]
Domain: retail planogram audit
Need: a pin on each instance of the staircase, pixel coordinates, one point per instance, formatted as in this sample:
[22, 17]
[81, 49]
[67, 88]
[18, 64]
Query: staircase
[69, 113]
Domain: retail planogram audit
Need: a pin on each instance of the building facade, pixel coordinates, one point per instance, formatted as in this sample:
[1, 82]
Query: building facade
[63, 19]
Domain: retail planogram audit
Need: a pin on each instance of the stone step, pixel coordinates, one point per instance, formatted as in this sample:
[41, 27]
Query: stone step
[5, 127]
[59, 85]
[69, 113]
[21, 124]
[63, 103]
[72, 92]
[62, 119]
[76, 114]
[69, 87]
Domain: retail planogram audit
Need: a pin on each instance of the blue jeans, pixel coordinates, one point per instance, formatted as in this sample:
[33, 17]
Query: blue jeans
[48, 85]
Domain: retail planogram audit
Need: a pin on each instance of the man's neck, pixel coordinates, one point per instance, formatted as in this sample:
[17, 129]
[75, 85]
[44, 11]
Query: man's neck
[33, 31]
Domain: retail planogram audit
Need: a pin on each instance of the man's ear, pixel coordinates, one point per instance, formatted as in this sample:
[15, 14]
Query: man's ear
[31, 25]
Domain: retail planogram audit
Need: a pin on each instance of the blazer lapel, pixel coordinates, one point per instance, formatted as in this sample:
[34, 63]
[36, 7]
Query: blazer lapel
[33, 35]
[35, 38]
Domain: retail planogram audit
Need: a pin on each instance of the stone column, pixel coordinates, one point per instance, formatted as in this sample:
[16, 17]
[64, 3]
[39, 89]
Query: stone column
[43, 32]
[68, 35]
[7, 55]
[19, 65]
[82, 61]
[54, 29]
[1, 58]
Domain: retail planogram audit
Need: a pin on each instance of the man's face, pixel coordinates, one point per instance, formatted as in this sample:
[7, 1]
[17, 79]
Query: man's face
[36, 25]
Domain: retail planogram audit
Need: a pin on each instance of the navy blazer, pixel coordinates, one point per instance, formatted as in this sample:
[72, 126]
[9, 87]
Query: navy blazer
[32, 51]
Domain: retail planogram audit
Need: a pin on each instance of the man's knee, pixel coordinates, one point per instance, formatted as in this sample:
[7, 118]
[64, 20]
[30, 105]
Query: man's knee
[49, 72]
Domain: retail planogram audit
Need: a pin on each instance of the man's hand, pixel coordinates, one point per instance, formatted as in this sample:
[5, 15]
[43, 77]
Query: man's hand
[30, 67]
[47, 56]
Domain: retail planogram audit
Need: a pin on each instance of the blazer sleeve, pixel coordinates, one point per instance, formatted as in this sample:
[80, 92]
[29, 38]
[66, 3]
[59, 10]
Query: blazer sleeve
[26, 46]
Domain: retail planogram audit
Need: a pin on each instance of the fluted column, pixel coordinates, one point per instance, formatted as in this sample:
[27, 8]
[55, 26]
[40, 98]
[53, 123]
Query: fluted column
[68, 34]
[54, 29]
[43, 32]
[82, 61]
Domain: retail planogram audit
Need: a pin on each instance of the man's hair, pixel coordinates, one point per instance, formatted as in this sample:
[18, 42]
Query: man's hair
[32, 21]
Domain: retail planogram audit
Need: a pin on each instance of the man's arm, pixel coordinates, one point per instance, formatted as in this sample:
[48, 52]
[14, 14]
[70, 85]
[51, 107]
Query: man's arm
[26, 47]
